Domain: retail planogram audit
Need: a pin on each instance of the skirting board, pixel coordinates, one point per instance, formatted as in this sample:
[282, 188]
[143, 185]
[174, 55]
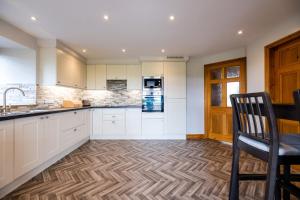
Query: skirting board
[26, 177]
[195, 136]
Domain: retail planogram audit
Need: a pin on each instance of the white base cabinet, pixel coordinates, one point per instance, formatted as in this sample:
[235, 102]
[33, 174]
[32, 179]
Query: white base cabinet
[6, 152]
[96, 123]
[49, 127]
[134, 122]
[175, 117]
[26, 144]
[113, 122]
[152, 125]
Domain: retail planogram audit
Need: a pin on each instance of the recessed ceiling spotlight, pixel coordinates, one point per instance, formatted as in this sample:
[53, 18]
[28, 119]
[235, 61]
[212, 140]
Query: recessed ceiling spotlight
[33, 18]
[240, 32]
[163, 50]
[123, 50]
[106, 17]
[84, 50]
[172, 17]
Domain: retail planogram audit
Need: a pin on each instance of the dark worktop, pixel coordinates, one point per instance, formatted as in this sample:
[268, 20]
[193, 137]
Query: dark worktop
[20, 114]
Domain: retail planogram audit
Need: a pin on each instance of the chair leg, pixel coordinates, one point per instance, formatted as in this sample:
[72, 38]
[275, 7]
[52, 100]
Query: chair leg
[271, 177]
[234, 180]
[278, 187]
[287, 172]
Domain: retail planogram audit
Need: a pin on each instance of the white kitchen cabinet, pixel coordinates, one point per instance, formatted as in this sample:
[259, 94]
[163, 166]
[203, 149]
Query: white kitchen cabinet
[49, 127]
[72, 119]
[113, 122]
[26, 145]
[68, 138]
[59, 67]
[134, 122]
[175, 79]
[152, 125]
[152, 69]
[116, 72]
[100, 80]
[91, 77]
[96, 123]
[134, 77]
[89, 122]
[6, 152]
[175, 117]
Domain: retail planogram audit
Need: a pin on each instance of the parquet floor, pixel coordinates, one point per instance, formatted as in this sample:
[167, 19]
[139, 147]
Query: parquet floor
[144, 170]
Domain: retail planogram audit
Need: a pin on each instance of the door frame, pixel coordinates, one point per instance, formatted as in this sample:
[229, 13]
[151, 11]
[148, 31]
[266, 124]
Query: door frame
[269, 58]
[206, 97]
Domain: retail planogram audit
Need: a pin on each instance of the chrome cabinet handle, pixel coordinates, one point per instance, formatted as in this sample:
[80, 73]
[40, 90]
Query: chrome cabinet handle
[47, 117]
[75, 113]
[41, 117]
[75, 129]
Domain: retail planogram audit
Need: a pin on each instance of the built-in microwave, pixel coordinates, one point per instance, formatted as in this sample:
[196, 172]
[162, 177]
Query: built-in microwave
[152, 82]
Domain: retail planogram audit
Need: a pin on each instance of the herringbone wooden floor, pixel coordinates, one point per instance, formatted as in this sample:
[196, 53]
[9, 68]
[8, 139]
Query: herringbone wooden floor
[131, 170]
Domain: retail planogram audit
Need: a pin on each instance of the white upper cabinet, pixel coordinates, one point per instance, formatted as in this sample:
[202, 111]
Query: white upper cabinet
[100, 72]
[116, 72]
[57, 67]
[27, 150]
[91, 77]
[175, 79]
[96, 77]
[152, 69]
[6, 152]
[134, 77]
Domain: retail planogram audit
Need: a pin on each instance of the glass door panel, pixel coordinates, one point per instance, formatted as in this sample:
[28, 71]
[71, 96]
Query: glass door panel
[232, 88]
[216, 94]
[216, 74]
[233, 72]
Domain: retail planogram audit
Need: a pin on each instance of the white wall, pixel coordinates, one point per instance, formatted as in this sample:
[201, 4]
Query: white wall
[255, 52]
[195, 87]
[17, 66]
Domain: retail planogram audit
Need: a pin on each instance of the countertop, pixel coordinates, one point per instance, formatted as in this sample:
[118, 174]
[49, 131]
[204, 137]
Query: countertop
[32, 113]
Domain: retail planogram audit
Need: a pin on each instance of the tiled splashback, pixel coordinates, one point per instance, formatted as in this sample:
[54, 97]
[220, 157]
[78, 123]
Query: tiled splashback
[15, 97]
[54, 96]
[118, 97]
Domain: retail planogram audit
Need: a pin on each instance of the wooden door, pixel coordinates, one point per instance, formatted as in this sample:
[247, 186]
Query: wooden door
[221, 80]
[286, 79]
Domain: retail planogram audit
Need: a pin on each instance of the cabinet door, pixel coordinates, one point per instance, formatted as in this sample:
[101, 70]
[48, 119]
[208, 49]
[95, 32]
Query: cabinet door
[26, 145]
[175, 79]
[134, 77]
[100, 79]
[91, 77]
[65, 69]
[133, 122]
[175, 117]
[152, 128]
[113, 127]
[49, 136]
[6, 152]
[97, 123]
[116, 72]
[83, 75]
[152, 69]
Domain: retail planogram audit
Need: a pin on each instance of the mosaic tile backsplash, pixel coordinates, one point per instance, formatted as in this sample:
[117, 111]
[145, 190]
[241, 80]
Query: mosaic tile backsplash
[15, 97]
[53, 96]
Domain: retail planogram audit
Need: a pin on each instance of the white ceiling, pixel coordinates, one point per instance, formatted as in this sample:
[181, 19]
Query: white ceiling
[142, 27]
[6, 43]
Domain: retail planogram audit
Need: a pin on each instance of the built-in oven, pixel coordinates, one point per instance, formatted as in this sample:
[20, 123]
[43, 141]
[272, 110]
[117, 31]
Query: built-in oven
[153, 103]
[152, 82]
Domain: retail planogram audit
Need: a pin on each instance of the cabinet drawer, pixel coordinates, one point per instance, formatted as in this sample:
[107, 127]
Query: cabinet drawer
[113, 117]
[69, 137]
[72, 119]
[114, 111]
[114, 127]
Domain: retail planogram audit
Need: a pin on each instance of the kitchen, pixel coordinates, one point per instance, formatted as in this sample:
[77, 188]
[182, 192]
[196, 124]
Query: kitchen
[102, 104]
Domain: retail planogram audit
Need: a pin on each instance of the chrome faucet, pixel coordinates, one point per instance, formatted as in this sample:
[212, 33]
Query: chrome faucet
[4, 96]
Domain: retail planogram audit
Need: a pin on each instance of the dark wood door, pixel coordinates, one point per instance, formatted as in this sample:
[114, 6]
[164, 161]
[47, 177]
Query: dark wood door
[221, 80]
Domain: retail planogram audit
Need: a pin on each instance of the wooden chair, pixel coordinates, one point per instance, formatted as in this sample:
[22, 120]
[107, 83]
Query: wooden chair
[258, 135]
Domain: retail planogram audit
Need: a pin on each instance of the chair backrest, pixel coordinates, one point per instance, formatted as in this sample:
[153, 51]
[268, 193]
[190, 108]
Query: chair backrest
[296, 94]
[253, 117]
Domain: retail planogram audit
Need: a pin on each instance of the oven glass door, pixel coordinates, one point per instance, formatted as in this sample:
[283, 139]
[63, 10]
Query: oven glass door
[152, 83]
[153, 104]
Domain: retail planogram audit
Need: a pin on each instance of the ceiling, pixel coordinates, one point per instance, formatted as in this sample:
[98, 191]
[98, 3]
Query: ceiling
[6, 43]
[143, 27]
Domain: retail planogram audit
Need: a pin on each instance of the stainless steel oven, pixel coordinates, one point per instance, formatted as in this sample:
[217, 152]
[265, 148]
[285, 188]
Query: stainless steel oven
[153, 94]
